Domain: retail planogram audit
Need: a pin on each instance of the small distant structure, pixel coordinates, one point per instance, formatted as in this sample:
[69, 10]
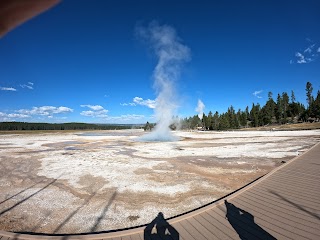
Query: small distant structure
[313, 120]
[148, 127]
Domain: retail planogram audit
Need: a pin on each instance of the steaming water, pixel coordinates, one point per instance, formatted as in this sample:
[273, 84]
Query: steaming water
[158, 136]
[171, 54]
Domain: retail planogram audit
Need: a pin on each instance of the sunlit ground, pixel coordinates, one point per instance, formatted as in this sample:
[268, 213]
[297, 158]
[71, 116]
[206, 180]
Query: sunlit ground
[97, 181]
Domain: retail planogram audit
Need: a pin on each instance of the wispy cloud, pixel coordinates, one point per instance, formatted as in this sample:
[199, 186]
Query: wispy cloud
[93, 107]
[8, 89]
[45, 110]
[12, 116]
[29, 85]
[140, 101]
[128, 104]
[257, 93]
[96, 111]
[126, 117]
[307, 55]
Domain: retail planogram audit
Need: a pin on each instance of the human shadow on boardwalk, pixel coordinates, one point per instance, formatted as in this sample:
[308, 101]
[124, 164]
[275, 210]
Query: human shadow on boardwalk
[243, 223]
[160, 229]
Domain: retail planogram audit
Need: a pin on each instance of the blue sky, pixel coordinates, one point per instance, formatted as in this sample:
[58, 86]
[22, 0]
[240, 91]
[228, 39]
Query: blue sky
[83, 61]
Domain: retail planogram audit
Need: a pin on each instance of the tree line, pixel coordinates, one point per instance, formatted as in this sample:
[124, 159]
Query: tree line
[282, 110]
[4, 126]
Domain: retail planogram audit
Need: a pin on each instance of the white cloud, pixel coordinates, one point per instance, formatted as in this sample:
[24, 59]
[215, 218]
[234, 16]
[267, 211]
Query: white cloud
[309, 49]
[126, 117]
[8, 89]
[140, 101]
[300, 58]
[12, 116]
[93, 107]
[45, 110]
[257, 93]
[148, 102]
[308, 55]
[96, 111]
[29, 86]
[30, 83]
[128, 104]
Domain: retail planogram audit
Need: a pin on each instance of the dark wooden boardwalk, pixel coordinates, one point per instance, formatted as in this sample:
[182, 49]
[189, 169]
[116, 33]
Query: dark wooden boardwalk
[284, 204]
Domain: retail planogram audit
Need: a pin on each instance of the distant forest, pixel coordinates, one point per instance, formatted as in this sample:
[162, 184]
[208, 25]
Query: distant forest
[283, 110]
[4, 126]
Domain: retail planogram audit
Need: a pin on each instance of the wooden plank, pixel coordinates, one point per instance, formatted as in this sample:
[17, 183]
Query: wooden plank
[125, 238]
[266, 193]
[268, 220]
[212, 227]
[281, 207]
[202, 227]
[303, 185]
[240, 223]
[135, 237]
[290, 180]
[290, 194]
[193, 231]
[220, 223]
[269, 209]
[4, 238]
[182, 232]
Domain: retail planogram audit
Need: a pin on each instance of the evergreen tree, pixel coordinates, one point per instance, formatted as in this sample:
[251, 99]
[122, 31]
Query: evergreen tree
[278, 111]
[309, 89]
[268, 110]
[317, 105]
[216, 121]
[285, 107]
[255, 115]
[204, 121]
[293, 98]
[210, 121]
[224, 122]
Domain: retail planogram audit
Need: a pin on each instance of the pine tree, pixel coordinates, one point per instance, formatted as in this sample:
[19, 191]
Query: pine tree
[224, 122]
[293, 98]
[278, 111]
[216, 120]
[309, 89]
[210, 121]
[285, 107]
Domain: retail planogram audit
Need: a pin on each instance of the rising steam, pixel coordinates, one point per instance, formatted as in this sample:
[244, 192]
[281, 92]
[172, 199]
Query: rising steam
[199, 109]
[171, 53]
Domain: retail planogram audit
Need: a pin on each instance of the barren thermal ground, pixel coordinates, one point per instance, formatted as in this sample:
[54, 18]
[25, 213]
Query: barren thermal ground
[98, 181]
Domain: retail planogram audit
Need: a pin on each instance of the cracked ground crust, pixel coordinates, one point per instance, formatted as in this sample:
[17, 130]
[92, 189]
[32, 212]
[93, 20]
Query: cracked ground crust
[35, 198]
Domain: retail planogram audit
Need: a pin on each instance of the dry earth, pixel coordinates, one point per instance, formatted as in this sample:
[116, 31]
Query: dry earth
[97, 181]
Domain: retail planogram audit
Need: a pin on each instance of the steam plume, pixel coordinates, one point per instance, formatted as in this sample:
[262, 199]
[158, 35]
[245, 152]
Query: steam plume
[171, 53]
[199, 109]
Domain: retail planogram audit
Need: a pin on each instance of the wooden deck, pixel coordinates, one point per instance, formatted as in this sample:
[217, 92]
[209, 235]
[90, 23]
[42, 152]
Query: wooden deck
[284, 204]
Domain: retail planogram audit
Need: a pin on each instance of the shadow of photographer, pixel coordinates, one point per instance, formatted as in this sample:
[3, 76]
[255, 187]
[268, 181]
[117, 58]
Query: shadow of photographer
[243, 223]
[160, 229]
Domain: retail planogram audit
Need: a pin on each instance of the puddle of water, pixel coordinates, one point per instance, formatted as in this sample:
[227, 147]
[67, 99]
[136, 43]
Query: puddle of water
[109, 133]
[71, 142]
[72, 148]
